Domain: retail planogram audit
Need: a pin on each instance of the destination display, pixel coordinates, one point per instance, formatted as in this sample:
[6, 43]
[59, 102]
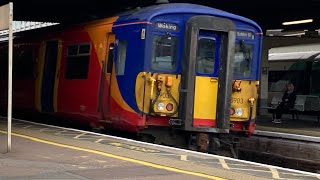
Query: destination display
[245, 34]
[167, 26]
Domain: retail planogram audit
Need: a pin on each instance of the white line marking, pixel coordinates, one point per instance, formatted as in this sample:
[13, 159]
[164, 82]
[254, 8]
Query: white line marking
[256, 170]
[224, 164]
[287, 136]
[183, 157]
[177, 149]
[300, 175]
[25, 127]
[275, 173]
[163, 154]
[59, 132]
[76, 137]
[99, 140]
[43, 129]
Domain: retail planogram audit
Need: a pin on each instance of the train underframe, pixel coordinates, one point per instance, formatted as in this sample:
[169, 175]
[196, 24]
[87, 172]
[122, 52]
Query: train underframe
[213, 143]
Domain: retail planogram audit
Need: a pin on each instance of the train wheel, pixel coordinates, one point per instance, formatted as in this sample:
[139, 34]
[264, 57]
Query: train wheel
[199, 142]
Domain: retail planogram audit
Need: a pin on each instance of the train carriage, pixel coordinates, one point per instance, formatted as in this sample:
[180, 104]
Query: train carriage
[184, 67]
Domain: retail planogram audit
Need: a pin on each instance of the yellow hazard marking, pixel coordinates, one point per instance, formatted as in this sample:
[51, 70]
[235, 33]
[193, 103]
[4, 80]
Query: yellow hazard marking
[119, 157]
[275, 173]
[224, 164]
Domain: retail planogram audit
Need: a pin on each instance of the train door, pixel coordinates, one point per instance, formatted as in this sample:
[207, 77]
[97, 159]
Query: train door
[48, 76]
[207, 74]
[106, 81]
[206, 81]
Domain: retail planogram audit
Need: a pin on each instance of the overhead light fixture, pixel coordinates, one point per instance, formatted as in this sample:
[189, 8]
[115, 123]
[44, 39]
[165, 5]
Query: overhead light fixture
[297, 22]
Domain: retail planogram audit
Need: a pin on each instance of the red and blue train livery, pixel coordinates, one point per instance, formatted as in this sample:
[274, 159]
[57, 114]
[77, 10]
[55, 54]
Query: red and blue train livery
[154, 70]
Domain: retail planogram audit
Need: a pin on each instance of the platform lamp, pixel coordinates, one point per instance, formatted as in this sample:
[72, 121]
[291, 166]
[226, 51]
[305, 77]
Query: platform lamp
[297, 22]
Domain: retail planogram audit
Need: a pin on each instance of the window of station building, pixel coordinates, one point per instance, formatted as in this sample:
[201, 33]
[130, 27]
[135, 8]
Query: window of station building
[282, 72]
[24, 64]
[243, 59]
[206, 56]
[78, 58]
[164, 55]
[121, 57]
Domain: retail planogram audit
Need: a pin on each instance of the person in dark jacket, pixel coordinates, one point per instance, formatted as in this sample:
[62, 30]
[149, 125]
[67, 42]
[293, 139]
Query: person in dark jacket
[288, 101]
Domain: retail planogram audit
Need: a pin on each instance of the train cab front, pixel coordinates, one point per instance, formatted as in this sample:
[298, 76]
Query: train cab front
[188, 82]
[245, 82]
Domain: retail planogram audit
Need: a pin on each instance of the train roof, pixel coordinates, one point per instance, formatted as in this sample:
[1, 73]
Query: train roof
[147, 13]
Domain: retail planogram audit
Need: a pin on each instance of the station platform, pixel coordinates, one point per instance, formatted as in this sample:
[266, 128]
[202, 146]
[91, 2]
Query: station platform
[305, 125]
[48, 152]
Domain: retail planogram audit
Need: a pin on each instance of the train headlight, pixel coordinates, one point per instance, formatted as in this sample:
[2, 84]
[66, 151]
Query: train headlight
[160, 106]
[239, 111]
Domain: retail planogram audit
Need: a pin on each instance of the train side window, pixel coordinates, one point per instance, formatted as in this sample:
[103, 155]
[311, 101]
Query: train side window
[164, 55]
[23, 67]
[121, 58]
[110, 58]
[243, 59]
[77, 65]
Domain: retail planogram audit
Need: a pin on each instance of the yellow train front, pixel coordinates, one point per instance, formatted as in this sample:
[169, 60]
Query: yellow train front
[197, 69]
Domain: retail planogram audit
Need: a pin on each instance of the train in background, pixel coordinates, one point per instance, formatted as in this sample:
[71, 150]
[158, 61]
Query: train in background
[159, 71]
[298, 64]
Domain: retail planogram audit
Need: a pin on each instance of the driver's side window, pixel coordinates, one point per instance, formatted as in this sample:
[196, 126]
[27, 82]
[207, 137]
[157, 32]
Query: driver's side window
[205, 56]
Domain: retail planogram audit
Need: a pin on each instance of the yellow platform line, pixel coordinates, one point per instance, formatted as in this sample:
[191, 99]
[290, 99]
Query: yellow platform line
[118, 157]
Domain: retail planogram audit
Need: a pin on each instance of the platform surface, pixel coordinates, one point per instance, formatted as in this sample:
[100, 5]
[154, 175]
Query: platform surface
[48, 152]
[305, 125]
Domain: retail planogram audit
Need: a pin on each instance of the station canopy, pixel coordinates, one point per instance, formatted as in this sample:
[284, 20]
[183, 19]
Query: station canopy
[297, 52]
[19, 26]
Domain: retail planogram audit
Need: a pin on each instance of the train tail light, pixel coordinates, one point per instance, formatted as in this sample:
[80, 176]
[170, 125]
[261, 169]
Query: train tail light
[169, 107]
[232, 111]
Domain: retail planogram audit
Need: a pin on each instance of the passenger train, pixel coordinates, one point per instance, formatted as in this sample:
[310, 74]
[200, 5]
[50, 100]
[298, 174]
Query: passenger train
[159, 71]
